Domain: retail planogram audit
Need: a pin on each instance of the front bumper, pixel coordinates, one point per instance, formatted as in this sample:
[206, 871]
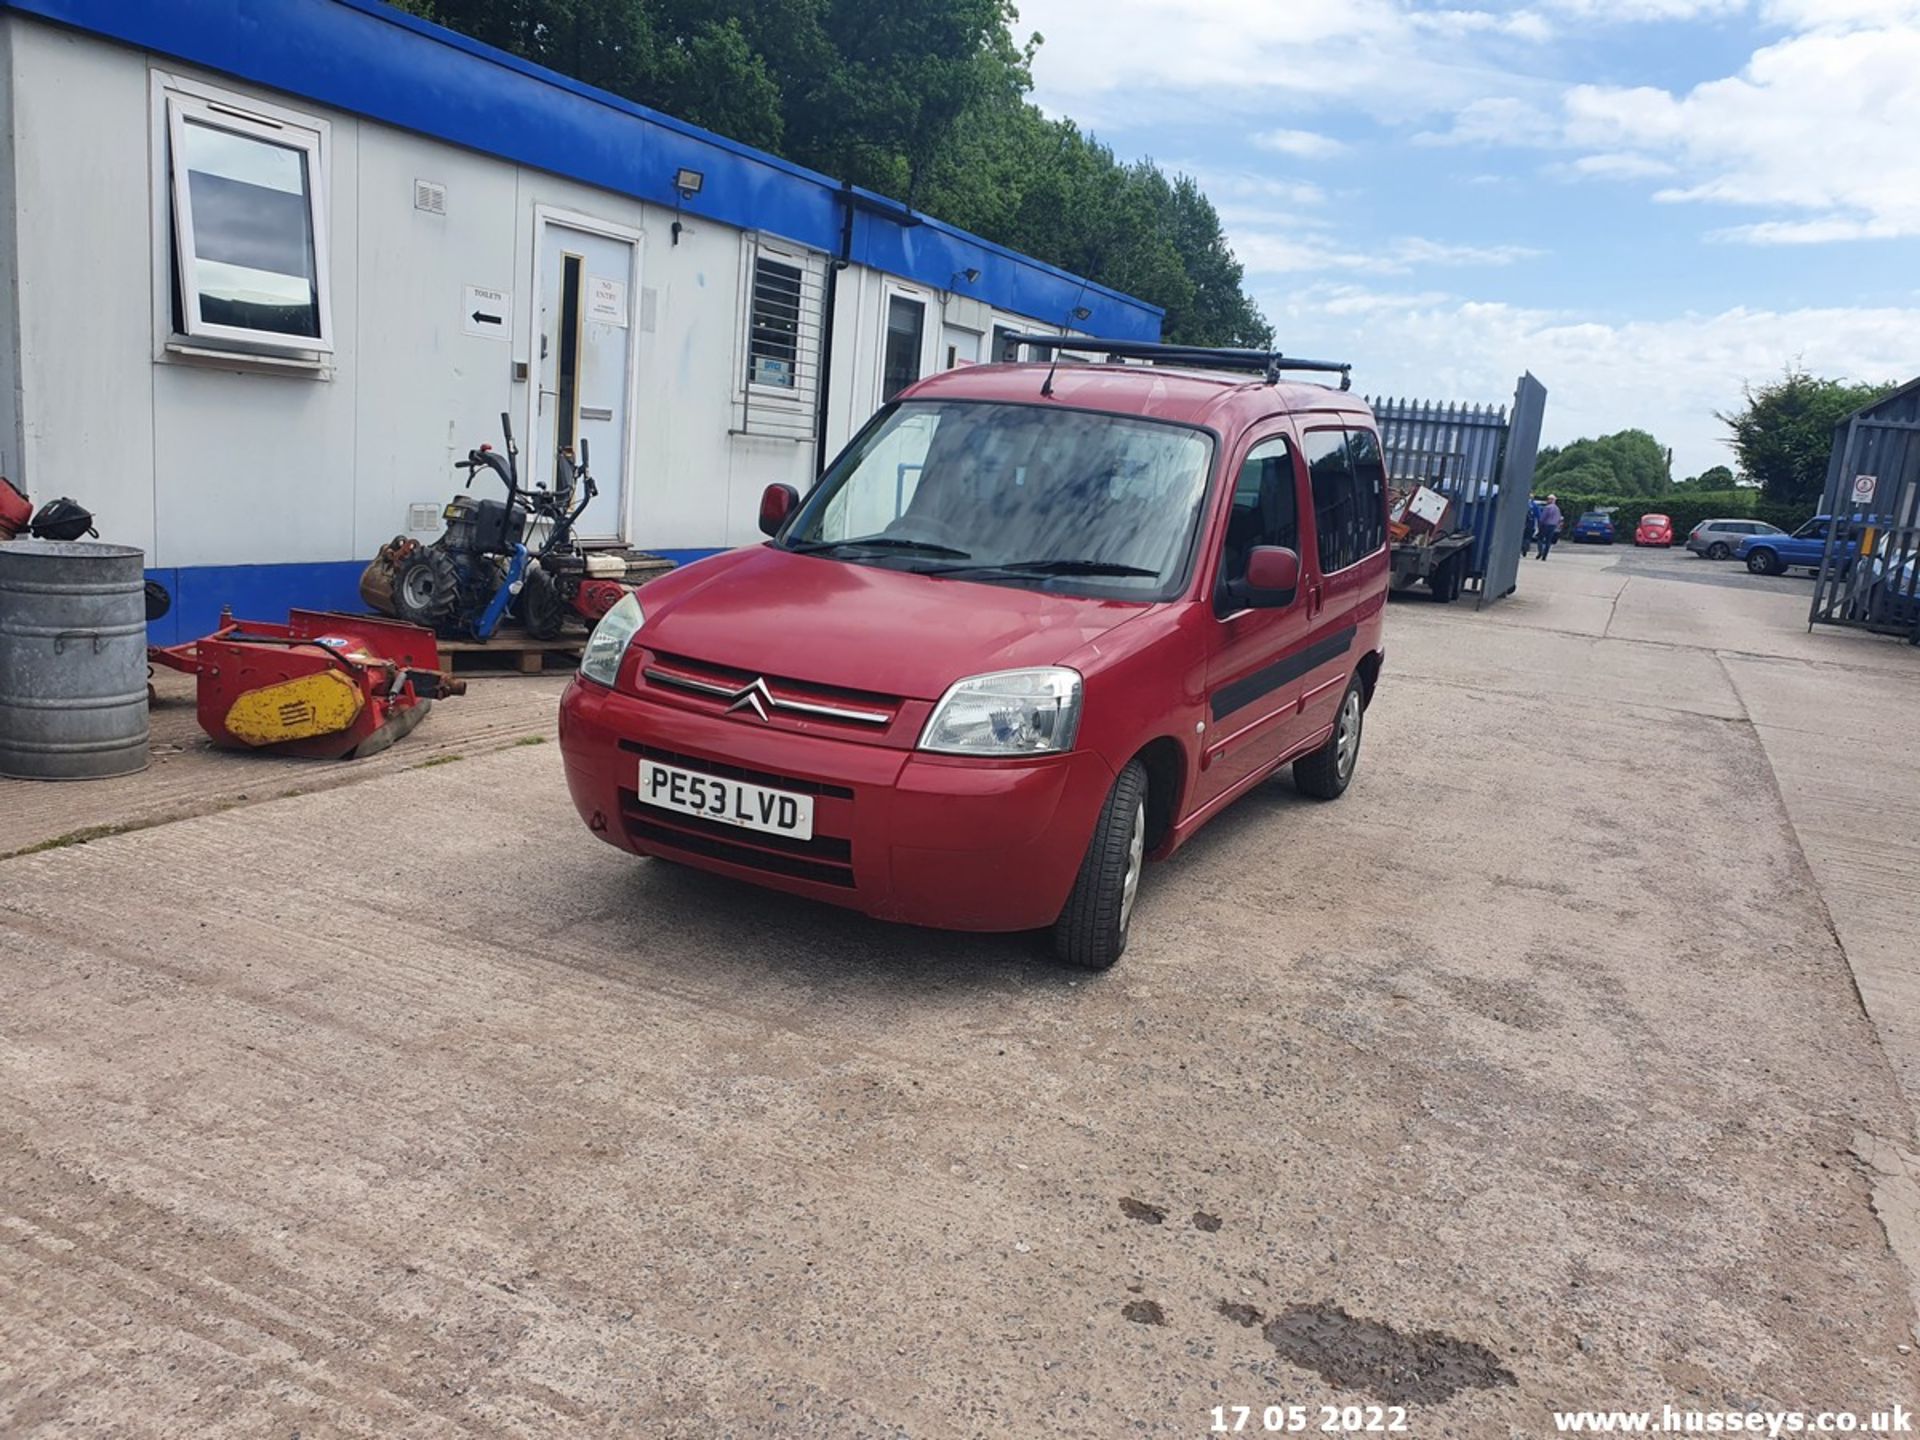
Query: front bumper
[935, 840]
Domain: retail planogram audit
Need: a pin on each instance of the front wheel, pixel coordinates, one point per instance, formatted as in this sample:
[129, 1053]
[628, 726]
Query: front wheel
[1326, 773]
[1763, 562]
[1091, 932]
[426, 588]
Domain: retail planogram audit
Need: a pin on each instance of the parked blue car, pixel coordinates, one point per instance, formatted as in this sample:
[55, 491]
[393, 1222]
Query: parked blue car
[1593, 528]
[1774, 554]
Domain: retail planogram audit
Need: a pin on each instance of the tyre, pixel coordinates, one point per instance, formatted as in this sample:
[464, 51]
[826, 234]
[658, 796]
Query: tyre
[1443, 585]
[1763, 562]
[1091, 932]
[1326, 773]
[1718, 550]
[426, 587]
[542, 610]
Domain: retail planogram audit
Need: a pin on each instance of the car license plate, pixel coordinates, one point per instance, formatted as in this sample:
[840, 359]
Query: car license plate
[731, 802]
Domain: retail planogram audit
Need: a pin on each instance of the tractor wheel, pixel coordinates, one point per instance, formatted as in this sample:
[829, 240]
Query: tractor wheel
[542, 610]
[426, 587]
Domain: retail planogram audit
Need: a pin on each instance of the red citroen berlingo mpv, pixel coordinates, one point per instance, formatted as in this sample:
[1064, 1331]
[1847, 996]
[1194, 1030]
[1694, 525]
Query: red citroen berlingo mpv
[1036, 624]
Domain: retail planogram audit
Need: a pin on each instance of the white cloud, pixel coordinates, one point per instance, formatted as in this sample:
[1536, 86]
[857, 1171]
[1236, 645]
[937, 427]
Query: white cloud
[1666, 375]
[1303, 144]
[1312, 248]
[1826, 124]
[1620, 165]
[1497, 120]
[1102, 62]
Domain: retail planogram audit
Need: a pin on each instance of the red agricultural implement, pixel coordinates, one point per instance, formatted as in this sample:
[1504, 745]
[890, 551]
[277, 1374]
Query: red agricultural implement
[324, 685]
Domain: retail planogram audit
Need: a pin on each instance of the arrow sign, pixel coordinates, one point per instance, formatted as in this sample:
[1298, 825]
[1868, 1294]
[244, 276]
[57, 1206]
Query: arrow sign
[487, 313]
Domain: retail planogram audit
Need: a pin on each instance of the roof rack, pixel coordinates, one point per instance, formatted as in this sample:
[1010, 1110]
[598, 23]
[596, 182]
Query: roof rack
[1200, 357]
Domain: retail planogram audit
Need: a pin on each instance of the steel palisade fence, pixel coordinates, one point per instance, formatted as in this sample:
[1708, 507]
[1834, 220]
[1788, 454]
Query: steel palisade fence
[1873, 498]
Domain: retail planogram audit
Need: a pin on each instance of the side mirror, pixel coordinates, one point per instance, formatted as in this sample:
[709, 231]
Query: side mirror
[1272, 578]
[777, 503]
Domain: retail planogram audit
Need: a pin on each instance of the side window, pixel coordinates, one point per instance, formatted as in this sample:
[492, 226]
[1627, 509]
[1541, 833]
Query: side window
[1370, 492]
[248, 204]
[1266, 509]
[1334, 509]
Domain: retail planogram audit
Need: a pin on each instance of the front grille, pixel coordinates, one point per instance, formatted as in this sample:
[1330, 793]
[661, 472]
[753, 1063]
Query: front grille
[737, 772]
[824, 860]
[864, 710]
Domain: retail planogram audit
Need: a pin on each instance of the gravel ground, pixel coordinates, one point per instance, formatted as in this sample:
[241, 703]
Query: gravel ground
[1512, 1082]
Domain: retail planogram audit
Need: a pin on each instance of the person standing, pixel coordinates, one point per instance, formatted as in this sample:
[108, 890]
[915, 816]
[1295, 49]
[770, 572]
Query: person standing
[1549, 525]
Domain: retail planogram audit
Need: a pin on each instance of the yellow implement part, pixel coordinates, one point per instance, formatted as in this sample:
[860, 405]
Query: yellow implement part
[321, 704]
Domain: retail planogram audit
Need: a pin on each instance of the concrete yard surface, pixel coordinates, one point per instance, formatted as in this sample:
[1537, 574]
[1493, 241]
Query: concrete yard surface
[1531, 1075]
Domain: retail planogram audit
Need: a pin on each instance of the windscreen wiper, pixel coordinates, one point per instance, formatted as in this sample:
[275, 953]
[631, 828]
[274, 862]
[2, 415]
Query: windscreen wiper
[880, 542]
[1061, 566]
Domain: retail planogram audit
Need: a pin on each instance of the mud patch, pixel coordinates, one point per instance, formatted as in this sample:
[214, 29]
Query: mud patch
[1244, 1315]
[1139, 1210]
[1203, 1221]
[1375, 1359]
[1144, 1312]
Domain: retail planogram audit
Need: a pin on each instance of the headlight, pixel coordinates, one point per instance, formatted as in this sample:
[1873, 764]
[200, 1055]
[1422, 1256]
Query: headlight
[607, 646]
[1014, 712]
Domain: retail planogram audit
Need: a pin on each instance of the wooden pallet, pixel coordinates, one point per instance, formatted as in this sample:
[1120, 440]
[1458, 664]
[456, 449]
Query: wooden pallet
[516, 647]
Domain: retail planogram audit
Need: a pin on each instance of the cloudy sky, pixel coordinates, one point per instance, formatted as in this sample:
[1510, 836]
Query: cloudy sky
[1645, 202]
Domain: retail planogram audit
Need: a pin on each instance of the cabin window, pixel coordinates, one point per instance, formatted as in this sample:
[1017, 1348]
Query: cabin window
[248, 232]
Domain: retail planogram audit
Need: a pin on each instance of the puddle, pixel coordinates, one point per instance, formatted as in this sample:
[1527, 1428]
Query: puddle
[1377, 1360]
[1144, 1312]
[1139, 1210]
[1240, 1314]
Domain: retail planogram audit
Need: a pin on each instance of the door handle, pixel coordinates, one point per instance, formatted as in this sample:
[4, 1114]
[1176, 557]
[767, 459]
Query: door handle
[1316, 600]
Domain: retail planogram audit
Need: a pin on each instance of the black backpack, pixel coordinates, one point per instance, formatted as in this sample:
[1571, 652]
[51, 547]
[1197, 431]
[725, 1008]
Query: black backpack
[62, 519]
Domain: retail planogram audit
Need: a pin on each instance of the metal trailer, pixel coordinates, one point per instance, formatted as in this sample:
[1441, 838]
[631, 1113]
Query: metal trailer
[1482, 458]
[1441, 563]
[1873, 486]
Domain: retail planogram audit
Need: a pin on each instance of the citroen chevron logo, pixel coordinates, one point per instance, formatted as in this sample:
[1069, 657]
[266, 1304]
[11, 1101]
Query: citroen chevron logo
[755, 697]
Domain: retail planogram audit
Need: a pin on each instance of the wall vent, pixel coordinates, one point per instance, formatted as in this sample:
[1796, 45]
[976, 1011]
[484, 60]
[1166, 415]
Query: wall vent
[423, 517]
[430, 196]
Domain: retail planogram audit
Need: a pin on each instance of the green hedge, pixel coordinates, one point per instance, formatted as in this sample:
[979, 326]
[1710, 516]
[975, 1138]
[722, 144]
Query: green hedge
[1685, 509]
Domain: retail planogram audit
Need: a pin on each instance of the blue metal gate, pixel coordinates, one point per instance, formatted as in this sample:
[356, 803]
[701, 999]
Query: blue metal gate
[1482, 456]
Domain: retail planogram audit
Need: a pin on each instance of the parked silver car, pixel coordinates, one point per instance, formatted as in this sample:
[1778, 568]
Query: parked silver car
[1718, 539]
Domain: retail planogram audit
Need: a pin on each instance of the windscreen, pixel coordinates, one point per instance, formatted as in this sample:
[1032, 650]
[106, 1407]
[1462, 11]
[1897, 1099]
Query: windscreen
[1019, 494]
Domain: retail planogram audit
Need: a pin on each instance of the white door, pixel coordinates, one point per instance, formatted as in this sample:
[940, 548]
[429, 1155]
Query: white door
[959, 346]
[585, 293]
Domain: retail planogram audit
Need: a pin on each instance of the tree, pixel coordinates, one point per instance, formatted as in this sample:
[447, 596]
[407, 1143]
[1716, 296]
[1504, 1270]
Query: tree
[1784, 435]
[1714, 477]
[1628, 462]
[925, 100]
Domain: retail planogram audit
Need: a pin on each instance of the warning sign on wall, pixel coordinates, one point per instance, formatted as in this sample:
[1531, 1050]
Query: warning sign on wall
[1863, 488]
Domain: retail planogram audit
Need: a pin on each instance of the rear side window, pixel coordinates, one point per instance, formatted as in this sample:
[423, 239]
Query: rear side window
[1370, 491]
[1349, 495]
[1332, 475]
[1266, 508]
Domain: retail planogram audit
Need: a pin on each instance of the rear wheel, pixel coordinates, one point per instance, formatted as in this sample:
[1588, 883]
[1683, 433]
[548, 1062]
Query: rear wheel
[542, 610]
[1718, 550]
[1091, 932]
[1763, 562]
[1445, 583]
[426, 587]
[1326, 773]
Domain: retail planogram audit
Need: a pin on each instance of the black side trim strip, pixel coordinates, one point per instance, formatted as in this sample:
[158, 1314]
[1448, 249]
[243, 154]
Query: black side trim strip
[1244, 691]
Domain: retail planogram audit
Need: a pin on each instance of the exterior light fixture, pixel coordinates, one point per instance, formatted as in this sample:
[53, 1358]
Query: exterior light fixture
[686, 184]
[1081, 312]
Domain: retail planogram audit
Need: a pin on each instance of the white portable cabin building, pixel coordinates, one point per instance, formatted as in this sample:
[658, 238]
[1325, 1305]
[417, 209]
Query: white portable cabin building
[267, 270]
